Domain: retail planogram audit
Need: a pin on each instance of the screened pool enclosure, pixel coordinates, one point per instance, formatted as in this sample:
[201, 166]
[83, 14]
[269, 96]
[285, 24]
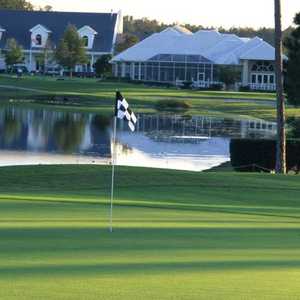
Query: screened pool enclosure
[170, 68]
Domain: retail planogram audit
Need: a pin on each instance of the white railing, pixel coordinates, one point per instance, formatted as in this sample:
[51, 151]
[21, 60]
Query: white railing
[205, 84]
[262, 86]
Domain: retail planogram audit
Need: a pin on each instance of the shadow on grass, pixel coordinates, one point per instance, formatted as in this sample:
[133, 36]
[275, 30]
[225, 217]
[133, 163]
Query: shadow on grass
[147, 268]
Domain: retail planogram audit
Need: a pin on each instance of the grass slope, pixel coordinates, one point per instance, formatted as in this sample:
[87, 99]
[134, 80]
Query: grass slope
[178, 235]
[97, 96]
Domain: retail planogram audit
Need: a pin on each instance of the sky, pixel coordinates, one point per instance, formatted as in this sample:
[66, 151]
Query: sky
[215, 13]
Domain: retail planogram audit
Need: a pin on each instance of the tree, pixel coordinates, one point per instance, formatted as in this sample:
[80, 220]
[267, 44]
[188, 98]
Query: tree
[229, 75]
[70, 50]
[46, 56]
[16, 4]
[281, 134]
[292, 80]
[102, 65]
[13, 53]
[126, 41]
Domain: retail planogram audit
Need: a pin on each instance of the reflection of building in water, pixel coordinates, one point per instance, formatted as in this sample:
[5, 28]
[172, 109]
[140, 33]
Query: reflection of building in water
[193, 129]
[53, 131]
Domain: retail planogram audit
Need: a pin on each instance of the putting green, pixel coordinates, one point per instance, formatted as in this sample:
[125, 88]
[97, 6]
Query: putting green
[178, 235]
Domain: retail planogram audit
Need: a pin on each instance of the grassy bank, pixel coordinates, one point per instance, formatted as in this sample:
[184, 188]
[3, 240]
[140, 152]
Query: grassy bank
[178, 235]
[92, 95]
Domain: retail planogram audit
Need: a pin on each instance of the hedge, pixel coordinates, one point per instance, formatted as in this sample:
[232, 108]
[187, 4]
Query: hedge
[249, 155]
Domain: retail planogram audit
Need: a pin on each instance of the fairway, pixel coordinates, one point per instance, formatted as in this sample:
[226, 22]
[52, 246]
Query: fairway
[178, 235]
[92, 95]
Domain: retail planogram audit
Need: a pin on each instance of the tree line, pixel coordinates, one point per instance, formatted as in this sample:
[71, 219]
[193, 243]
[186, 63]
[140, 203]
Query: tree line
[22, 5]
[144, 27]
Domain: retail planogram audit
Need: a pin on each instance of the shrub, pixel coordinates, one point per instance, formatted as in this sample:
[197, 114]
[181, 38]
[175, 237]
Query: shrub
[186, 85]
[171, 105]
[260, 155]
[245, 88]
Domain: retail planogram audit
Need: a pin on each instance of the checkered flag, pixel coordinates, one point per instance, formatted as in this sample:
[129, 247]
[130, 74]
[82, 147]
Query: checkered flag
[123, 112]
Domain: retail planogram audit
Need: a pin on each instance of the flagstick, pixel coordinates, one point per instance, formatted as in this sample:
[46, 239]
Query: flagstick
[114, 153]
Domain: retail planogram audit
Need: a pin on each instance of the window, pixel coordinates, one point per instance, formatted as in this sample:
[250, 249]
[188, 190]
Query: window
[253, 78]
[266, 77]
[85, 41]
[38, 40]
[272, 79]
[259, 78]
[262, 66]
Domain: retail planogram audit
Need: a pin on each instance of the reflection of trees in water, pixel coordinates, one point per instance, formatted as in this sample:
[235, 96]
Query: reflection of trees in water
[101, 122]
[12, 128]
[69, 132]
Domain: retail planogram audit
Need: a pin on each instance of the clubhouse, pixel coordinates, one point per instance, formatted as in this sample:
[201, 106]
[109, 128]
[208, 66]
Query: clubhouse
[177, 55]
[34, 30]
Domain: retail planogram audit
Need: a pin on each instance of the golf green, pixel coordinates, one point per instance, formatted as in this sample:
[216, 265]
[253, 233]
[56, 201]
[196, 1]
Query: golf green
[177, 235]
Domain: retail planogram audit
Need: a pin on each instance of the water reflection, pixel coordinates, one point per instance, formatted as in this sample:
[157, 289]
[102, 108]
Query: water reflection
[187, 143]
[35, 135]
[41, 130]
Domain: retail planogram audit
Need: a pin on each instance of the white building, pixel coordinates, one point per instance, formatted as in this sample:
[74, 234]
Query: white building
[33, 30]
[176, 55]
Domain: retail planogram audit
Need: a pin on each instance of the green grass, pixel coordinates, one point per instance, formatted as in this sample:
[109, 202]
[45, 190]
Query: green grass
[178, 235]
[99, 96]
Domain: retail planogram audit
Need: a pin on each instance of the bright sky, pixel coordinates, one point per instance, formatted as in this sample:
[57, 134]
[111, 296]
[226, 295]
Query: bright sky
[226, 13]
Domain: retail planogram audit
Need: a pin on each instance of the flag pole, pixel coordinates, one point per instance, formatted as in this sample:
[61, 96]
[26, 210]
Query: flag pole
[113, 162]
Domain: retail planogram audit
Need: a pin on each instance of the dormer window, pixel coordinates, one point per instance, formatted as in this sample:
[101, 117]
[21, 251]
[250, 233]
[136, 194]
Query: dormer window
[38, 40]
[39, 36]
[86, 41]
[88, 34]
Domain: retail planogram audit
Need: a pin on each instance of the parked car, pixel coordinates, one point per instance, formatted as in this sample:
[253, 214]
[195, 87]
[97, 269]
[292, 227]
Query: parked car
[53, 71]
[18, 69]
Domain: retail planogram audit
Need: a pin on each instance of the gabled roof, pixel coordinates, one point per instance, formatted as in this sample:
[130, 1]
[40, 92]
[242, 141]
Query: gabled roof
[216, 47]
[262, 51]
[1, 28]
[87, 28]
[40, 26]
[18, 23]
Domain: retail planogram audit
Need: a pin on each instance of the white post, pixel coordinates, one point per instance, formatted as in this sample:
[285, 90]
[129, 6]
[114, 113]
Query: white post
[30, 58]
[113, 162]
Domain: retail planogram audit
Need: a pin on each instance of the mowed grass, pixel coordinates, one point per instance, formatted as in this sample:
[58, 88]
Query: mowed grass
[177, 235]
[94, 95]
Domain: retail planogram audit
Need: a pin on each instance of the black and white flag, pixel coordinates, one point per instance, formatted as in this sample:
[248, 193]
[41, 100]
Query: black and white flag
[123, 112]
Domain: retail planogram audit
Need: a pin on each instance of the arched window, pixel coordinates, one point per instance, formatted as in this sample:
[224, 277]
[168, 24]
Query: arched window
[86, 41]
[262, 66]
[38, 40]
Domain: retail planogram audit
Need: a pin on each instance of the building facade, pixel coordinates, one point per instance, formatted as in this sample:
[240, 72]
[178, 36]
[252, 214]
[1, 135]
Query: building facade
[35, 31]
[177, 55]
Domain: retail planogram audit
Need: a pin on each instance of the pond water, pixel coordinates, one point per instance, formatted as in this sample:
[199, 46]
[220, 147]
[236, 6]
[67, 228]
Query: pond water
[46, 136]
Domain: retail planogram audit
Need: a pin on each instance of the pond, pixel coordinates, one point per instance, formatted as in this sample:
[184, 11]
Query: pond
[46, 136]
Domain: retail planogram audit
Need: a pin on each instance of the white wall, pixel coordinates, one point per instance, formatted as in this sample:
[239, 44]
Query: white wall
[2, 64]
[91, 36]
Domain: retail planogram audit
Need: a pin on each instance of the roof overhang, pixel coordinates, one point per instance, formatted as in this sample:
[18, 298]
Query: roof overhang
[40, 27]
[87, 28]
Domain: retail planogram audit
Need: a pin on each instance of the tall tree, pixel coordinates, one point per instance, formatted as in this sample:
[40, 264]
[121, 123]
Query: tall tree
[16, 4]
[281, 134]
[292, 44]
[126, 41]
[13, 53]
[71, 50]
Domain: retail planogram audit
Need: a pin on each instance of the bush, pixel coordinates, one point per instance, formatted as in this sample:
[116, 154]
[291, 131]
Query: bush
[245, 88]
[186, 85]
[260, 155]
[171, 105]
[212, 87]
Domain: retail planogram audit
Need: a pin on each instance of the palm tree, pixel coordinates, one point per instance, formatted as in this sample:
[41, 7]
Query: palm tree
[281, 134]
